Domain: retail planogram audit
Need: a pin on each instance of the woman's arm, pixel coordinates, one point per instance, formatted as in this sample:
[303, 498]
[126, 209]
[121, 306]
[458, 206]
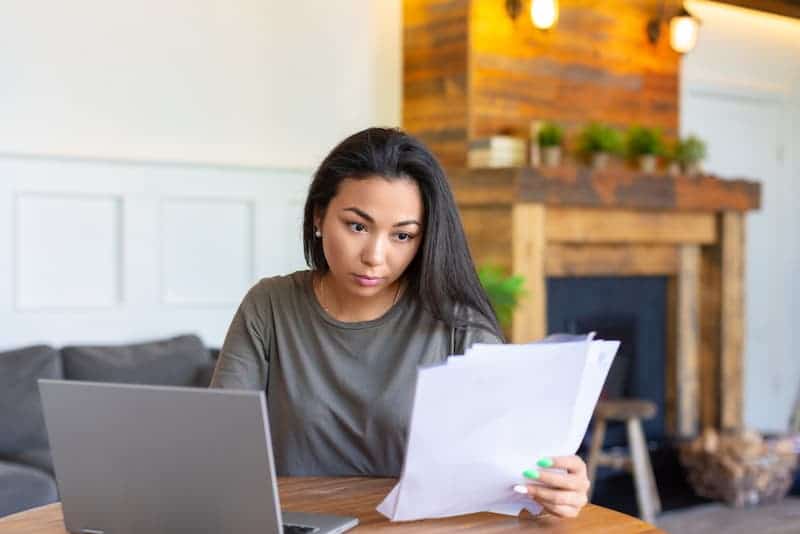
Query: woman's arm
[244, 358]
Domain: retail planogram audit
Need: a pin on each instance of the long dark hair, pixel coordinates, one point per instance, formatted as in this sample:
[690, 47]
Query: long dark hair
[442, 274]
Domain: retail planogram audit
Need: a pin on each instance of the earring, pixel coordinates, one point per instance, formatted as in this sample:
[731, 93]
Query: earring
[317, 233]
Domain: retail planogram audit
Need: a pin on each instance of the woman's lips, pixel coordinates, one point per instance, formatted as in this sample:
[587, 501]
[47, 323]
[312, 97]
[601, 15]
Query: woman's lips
[367, 281]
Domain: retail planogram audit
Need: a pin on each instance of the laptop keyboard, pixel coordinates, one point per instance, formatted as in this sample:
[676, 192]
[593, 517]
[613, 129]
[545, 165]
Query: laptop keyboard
[298, 529]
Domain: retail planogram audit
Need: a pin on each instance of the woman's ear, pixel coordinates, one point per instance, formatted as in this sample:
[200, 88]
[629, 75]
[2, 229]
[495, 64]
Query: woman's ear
[317, 223]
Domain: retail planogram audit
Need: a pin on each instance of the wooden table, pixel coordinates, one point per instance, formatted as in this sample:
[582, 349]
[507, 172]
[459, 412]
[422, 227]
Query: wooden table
[359, 497]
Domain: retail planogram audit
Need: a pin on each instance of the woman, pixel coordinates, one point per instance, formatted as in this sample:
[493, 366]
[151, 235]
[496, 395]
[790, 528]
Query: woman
[391, 287]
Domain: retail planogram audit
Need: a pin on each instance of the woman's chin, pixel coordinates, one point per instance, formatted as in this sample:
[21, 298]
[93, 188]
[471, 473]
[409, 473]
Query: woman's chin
[366, 291]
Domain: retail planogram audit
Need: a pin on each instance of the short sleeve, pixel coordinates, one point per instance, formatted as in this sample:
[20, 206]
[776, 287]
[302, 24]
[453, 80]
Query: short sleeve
[479, 331]
[244, 358]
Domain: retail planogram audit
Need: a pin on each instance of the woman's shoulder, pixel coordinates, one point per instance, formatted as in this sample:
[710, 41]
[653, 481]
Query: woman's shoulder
[278, 288]
[283, 283]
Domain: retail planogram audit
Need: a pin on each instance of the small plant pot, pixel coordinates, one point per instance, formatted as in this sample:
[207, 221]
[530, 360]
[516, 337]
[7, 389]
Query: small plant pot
[648, 163]
[551, 156]
[674, 168]
[600, 160]
[692, 169]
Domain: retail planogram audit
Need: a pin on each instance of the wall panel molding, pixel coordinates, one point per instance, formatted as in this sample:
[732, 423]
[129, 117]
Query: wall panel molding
[68, 250]
[244, 222]
[204, 239]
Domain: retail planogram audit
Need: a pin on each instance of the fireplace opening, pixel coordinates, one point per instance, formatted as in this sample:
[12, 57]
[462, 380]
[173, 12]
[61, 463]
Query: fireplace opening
[632, 310]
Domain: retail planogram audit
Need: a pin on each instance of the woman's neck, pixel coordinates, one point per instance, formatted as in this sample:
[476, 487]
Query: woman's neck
[348, 308]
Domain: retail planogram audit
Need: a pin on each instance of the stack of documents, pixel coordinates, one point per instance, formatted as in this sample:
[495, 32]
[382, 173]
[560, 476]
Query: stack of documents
[481, 419]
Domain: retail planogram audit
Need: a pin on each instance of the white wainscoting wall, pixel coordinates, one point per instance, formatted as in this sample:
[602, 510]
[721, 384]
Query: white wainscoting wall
[104, 252]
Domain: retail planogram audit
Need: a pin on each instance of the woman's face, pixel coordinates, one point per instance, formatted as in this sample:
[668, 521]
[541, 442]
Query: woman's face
[371, 231]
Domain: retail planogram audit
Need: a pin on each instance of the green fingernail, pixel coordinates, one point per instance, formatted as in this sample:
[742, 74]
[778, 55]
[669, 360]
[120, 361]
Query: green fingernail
[545, 462]
[531, 473]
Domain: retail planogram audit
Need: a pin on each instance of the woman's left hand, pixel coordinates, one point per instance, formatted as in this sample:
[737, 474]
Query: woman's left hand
[561, 494]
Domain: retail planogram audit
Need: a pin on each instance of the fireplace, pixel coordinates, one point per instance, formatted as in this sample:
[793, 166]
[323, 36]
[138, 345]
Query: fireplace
[631, 310]
[571, 222]
[655, 261]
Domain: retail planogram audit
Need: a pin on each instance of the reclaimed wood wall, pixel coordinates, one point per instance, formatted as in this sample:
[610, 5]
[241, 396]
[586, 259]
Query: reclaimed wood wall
[470, 71]
[435, 52]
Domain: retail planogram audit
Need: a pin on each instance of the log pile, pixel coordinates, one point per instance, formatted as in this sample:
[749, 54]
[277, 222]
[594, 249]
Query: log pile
[742, 469]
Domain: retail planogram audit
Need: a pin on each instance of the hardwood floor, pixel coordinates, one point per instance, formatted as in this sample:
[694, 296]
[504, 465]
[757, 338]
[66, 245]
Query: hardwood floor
[715, 518]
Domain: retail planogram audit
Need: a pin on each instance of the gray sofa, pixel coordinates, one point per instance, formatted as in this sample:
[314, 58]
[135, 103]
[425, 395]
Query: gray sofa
[26, 469]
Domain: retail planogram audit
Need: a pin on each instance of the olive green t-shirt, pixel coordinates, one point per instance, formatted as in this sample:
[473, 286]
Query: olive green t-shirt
[338, 394]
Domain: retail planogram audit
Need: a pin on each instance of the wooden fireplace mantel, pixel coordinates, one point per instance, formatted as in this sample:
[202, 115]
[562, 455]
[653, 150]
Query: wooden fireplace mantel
[571, 221]
[613, 188]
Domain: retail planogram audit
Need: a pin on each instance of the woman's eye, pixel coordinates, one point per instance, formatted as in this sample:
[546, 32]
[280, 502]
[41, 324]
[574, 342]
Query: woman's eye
[403, 237]
[357, 227]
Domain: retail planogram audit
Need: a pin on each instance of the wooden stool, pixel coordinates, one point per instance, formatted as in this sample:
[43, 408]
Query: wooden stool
[631, 412]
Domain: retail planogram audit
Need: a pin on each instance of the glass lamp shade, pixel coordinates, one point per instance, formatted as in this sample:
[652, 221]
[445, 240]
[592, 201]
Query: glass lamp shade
[544, 13]
[683, 30]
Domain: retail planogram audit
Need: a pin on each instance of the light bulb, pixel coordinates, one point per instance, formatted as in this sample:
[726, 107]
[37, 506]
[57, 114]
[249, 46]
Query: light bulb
[544, 13]
[683, 31]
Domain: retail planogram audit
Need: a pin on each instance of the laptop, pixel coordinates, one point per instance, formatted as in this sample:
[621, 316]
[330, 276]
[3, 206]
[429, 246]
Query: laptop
[157, 459]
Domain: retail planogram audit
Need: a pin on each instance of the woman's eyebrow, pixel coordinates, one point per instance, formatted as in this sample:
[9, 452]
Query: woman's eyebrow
[369, 218]
[406, 223]
[360, 213]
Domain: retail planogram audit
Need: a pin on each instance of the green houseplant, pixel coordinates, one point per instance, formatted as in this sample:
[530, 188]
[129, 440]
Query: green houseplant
[689, 152]
[550, 137]
[670, 155]
[504, 291]
[597, 142]
[645, 144]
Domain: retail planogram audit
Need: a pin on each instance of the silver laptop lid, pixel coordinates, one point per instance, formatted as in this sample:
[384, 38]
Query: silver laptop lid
[155, 459]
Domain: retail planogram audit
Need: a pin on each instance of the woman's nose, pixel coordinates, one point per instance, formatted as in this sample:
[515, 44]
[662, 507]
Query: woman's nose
[374, 252]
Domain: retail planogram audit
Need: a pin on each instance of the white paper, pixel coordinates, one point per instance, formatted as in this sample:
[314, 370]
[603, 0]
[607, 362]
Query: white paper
[482, 419]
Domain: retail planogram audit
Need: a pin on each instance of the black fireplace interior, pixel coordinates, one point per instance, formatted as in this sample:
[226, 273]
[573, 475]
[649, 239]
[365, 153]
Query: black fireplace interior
[633, 311]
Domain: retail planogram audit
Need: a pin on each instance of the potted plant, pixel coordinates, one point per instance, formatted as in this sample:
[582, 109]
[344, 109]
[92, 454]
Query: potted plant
[504, 291]
[645, 144]
[689, 152]
[670, 155]
[597, 143]
[550, 137]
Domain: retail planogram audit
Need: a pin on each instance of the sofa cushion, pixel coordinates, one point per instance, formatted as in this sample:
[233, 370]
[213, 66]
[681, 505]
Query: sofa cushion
[176, 361]
[23, 487]
[21, 417]
[39, 458]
